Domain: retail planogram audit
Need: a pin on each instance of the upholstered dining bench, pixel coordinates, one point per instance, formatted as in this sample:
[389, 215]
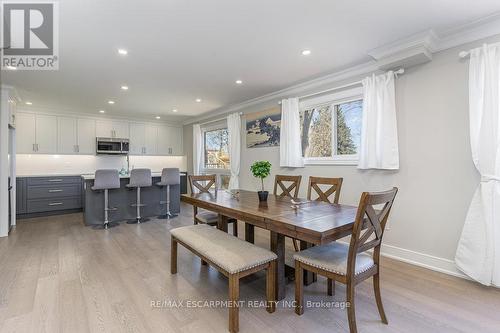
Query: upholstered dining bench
[232, 257]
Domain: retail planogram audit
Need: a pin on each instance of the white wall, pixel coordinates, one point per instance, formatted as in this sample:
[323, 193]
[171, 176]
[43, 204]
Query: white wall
[28, 165]
[436, 177]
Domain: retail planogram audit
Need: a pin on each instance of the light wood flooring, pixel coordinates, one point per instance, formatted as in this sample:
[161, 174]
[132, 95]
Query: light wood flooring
[56, 275]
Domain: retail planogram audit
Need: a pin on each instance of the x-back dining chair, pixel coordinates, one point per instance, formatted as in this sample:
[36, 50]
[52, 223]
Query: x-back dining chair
[350, 264]
[203, 184]
[334, 189]
[322, 195]
[289, 186]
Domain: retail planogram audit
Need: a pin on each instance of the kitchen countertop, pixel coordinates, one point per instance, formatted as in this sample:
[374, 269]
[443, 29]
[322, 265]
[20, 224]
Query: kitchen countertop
[85, 176]
[153, 174]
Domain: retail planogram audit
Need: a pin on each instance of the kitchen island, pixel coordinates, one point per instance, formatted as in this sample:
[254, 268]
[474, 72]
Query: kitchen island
[124, 197]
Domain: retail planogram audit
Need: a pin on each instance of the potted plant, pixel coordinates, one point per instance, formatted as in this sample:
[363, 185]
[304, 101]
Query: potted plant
[261, 169]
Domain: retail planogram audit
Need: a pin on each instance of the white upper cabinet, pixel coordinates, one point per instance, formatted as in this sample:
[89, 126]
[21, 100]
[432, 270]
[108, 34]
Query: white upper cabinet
[137, 138]
[36, 134]
[112, 129]
[86, 136]
[25, 133]
[46, 134]
[150, 141]
[66, 135]
[169, 140]
[143, 139]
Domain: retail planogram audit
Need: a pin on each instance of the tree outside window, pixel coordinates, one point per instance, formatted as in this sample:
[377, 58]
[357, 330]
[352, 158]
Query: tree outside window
[331, 129]
[216, 149]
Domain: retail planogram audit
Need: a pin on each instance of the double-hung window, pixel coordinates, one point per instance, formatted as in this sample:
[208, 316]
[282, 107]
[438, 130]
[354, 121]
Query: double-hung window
[331, 128]
[216, 152]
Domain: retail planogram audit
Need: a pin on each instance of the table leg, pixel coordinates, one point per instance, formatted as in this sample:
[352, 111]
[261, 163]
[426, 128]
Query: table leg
[222, 223]
[278, 247]
[309, 277]
[250, 233]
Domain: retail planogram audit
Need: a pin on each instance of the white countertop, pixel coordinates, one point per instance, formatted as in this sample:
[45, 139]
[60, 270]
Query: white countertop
[86, 176]
[153, 174]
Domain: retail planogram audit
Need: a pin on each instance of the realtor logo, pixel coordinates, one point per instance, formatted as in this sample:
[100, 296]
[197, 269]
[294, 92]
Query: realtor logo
[30, 36]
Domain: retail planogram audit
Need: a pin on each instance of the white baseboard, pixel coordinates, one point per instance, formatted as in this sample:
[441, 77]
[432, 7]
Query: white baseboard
[433, 263]
[437, 264]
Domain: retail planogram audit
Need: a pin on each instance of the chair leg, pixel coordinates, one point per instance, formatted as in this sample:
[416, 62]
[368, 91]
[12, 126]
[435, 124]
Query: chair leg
[299, 288]
[271, 287]
[331, 287]
[234, 296]
[350, 308]
[173, 256]
[235, 228]
[378, 298]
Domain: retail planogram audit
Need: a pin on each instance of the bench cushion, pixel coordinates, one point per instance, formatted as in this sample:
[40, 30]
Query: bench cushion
[228, 252]
[333, 258]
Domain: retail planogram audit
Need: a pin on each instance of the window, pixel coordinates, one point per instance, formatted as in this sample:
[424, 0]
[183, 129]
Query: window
[216, 154]
[216, 149]
[331, 129]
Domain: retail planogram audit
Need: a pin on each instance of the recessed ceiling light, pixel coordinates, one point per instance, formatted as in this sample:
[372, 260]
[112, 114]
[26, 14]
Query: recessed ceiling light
[122, 52]
[111, 102]
[124, 87]
[174, 110]
[11, 68]
[239, 82]
[157, 117]
[102, 111]
[28, 103]
[198, 100]
[306, 52]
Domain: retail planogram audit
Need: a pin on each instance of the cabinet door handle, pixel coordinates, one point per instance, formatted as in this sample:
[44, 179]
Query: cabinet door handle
[34, 147]
[55, 203]
[77, 148]
[54, 191]
[55, 180]
[37, 147]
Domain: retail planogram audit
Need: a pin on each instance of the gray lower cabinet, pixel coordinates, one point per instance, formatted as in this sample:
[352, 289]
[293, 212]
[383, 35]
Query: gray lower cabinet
[49, 195]
[20, 196]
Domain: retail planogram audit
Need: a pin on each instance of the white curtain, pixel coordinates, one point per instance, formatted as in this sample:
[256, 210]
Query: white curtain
[290, 143]
[379, 133]
[197, 149]
[234, 130]
[478, 252]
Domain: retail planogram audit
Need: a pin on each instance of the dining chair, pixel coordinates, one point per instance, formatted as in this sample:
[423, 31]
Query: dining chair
[203, 184]
[292, 185]
[314, 184]
[350, 264]
[334, 189]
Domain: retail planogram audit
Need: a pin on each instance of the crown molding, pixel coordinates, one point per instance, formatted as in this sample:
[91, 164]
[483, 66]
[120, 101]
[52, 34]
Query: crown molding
[479, 29]
[330, 79]
[410, 51]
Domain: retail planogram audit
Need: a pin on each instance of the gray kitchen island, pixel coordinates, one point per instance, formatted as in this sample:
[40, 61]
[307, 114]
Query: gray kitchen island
[123, 198]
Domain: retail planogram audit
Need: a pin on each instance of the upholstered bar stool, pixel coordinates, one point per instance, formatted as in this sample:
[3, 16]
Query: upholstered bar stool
[169, 177]
[139, 178]
[105, 180]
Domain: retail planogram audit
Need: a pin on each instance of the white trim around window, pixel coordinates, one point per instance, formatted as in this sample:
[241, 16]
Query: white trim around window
[344, 96]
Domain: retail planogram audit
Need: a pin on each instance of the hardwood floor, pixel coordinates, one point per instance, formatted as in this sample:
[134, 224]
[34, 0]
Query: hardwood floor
[56, 275]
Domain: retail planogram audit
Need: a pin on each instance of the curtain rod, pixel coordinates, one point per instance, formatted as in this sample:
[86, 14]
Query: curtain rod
[465, 54]
[218, 119]
[398, 72]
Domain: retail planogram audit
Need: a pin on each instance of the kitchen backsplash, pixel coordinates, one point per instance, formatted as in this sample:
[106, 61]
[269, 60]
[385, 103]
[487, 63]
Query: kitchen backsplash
[27, 164]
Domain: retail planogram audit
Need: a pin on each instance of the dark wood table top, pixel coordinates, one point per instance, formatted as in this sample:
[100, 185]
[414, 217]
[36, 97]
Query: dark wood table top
[314, 222]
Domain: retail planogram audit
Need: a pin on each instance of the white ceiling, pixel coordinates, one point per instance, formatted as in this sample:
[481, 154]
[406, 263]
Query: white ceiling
[180, 50]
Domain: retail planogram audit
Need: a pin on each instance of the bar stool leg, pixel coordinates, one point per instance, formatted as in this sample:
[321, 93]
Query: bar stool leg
[138, 206]
[106, 225]
[168, 214]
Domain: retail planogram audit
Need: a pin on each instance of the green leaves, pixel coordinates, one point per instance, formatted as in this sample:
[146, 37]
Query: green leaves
[261, 169]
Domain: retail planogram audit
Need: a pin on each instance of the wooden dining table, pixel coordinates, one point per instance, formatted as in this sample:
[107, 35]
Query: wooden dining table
[311, 222]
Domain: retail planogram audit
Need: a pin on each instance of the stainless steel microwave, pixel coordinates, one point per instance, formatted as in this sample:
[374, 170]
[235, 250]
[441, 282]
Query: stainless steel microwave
[112, 146]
